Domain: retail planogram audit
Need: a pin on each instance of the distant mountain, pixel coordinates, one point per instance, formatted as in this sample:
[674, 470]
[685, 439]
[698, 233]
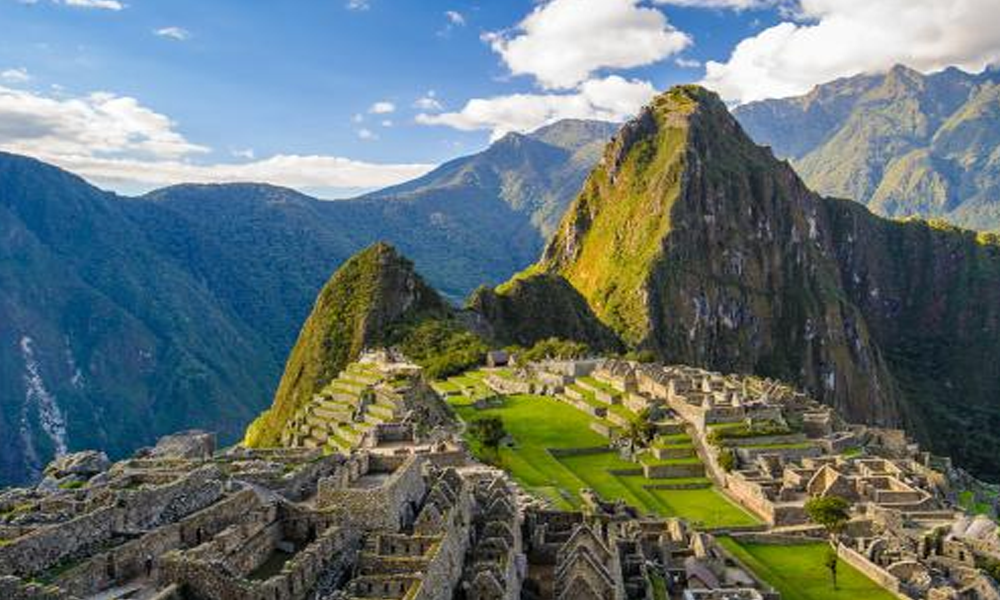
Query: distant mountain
[536, 175]
[125, 318]
[902, 143]
[692, 243]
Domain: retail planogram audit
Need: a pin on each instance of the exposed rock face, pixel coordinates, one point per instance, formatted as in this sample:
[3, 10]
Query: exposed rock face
[692, 242]
[194, 445]
[357, 309]
[85, 464]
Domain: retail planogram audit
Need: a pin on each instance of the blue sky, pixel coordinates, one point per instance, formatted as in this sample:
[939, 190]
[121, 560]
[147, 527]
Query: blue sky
[337, 96]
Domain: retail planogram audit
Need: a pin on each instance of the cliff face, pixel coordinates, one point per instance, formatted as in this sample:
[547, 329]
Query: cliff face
[692, 242]
[368, 295]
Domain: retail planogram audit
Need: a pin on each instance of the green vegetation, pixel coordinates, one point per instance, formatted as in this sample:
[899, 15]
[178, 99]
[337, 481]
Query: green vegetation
[797, 571]
[442, 347]
[545, 433]
[358, 308]
[72, 485]
[727, 459]
[832, 512]
[738, 431]
[487, 433]
[553, 349]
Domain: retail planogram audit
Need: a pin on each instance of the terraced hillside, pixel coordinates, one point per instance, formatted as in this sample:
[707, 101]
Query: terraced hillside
[336, 418]
[560, 446]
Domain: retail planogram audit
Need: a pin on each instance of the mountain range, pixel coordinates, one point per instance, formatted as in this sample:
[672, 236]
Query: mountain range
[903, 143]
[126, 318]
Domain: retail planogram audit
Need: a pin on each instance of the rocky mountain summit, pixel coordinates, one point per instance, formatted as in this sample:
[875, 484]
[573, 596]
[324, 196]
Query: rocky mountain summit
[691, 242]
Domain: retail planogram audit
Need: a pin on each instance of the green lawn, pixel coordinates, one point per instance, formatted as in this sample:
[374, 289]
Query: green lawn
[797, 572]
[538, 423]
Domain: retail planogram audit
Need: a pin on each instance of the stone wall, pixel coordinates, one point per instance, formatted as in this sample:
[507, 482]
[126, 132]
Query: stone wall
[129, 560]
[385, 506]
[334, 551]
[871, 570]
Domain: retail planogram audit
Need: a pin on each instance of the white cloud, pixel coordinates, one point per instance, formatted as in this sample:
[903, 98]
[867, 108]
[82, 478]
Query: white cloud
[721, 4]
[102, 4]
[358, 118]
[563, 42]
[612, 99]
[428, 101]
[18, 75]
[687, 63]
[455, 18]
[367, 134]
[175, 33]
[838, 38]
[382, 108]
[301, 172]
[358, 4]
[386, 123]
[113, 140]
[98, 123]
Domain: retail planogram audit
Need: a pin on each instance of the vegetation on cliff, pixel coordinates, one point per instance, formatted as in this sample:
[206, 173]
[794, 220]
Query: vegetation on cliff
[363, 305]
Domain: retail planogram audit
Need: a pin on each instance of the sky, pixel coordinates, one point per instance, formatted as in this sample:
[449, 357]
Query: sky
[337, 97]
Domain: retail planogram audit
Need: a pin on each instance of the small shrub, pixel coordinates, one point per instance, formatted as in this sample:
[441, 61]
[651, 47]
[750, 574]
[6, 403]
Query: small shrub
[727, 459]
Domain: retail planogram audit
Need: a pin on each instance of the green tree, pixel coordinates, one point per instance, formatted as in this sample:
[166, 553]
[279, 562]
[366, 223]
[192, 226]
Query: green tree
[640, 430]
[833, 513]
[488, 432]
[727, 459]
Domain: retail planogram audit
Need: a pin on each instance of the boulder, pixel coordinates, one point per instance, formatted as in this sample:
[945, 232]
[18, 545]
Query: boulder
[84, 464]
[194, 444]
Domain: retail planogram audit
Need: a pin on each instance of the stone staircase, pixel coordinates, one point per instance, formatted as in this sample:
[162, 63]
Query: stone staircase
[337, 418]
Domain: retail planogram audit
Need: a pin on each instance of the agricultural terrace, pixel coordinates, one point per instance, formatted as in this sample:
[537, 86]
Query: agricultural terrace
[555, 454]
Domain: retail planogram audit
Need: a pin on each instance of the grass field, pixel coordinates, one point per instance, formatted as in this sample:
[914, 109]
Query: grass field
[540, 423]
[797, 572]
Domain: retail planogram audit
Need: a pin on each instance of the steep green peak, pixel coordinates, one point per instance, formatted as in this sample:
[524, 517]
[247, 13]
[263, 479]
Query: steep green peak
[376, 291]
[613, 234]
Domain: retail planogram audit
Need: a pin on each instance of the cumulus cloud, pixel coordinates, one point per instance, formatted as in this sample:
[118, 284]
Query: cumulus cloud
[367, 134]
[18, 75]
[382, 108]
[562, 43]
[113, 139]
[837, 38]
[100, 122]
[454, 17]
[613, 98]
[175, 33]
[358, 4]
